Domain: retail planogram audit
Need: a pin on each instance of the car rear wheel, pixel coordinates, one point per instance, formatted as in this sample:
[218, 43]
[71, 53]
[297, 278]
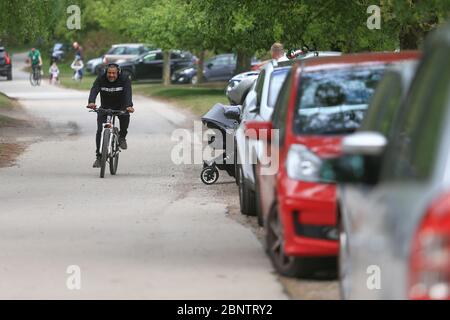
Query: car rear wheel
[9, 76]
[246, 196]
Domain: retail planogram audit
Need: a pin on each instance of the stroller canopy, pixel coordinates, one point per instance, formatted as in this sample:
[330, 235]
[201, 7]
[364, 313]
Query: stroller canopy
[216, 116]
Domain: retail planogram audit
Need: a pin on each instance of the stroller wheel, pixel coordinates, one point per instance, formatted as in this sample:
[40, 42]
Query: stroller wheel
[209, 175]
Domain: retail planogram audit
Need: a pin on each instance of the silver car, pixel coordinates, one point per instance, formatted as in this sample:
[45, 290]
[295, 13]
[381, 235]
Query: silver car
[393, 187]
[239, 86]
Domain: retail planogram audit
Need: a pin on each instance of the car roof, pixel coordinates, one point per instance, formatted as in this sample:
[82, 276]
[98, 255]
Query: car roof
[330, 62]
[2, 48]
[128, 45]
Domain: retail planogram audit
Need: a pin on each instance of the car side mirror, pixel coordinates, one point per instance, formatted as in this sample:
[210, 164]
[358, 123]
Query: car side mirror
[365, 143]
[351, 169]
[253, 108]
[233, 113]
[361, 160]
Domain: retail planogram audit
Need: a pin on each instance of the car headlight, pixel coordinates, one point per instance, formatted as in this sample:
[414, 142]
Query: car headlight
[303, 164]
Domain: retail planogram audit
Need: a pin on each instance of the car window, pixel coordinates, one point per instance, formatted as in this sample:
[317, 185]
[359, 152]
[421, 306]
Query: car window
[153, 56]
[276, 81]
[412, 153]
[117, 50]
[259, 87]
[222, 61]
[335, 101]
[279, 116]
[385, 102]
[133, 50]
[174, 55]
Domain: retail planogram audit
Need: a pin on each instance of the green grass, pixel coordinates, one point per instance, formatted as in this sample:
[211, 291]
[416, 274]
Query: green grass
[5, 102]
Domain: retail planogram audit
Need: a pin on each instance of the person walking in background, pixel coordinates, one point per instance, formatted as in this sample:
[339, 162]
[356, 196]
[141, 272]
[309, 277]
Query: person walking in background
[78, 50]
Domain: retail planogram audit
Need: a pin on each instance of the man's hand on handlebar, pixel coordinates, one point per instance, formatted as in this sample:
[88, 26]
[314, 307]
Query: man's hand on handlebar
[91, 106]
[130, 109]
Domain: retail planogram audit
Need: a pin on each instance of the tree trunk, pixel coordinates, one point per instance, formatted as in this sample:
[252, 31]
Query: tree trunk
[201, 61]
[166, 67]
[243, 62]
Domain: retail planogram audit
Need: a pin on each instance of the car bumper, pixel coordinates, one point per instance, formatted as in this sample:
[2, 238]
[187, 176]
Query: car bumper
[308, 212]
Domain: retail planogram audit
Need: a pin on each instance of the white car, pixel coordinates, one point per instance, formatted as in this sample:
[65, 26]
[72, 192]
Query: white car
[258, 106]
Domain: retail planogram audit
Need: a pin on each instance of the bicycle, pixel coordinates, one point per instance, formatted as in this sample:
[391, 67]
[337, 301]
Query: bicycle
[35, 76]
[110, 141]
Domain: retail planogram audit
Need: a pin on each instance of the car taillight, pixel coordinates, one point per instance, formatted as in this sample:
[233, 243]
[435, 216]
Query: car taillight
[7, 59]
[105, 60]
[430, 256]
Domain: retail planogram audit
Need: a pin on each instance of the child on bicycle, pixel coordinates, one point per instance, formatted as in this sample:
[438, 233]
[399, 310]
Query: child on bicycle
[54, 73]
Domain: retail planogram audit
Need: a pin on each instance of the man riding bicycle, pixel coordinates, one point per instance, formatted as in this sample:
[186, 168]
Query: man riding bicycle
[115, 93]
[34, 57]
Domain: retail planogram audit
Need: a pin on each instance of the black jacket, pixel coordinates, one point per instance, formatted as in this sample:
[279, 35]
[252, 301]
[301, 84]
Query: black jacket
[114, 95]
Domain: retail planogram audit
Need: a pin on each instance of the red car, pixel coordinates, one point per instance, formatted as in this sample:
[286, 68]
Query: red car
[322, 99]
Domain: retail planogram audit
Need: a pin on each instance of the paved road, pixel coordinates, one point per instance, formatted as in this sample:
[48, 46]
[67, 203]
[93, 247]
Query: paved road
[153, 231]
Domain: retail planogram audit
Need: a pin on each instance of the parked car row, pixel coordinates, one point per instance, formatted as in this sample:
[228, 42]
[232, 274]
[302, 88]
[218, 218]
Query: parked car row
[346, 159]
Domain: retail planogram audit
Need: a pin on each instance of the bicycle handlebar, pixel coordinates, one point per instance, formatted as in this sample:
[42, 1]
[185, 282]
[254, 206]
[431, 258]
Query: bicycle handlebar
[109, 111]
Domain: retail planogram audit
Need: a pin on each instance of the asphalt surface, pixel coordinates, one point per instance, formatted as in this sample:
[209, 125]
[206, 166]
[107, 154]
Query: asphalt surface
[153, 231]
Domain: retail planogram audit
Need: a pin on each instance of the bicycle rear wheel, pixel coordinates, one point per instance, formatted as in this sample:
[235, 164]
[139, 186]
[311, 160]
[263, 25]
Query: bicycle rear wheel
[104, 158]
[114, 159]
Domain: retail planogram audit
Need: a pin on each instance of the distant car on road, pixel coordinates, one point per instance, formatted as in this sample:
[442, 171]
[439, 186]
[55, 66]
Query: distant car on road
[5, 64]
[150, 65]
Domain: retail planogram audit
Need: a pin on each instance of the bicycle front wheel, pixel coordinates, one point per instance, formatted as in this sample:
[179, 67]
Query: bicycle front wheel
[104, 158]
[33, 78]
[114, 159]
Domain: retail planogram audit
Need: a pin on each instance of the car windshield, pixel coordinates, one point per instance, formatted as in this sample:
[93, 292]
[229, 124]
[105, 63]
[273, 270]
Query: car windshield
[334, 102]
[276, 81]
[117, 50]
[57, 46]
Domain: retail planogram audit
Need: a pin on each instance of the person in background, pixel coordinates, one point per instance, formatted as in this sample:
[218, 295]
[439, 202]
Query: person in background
[35, 59]
[277, 51]
[78, 50]
[77, 66]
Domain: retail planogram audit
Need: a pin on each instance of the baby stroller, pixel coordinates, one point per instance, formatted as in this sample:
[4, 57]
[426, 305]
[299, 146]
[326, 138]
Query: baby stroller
[223, 119]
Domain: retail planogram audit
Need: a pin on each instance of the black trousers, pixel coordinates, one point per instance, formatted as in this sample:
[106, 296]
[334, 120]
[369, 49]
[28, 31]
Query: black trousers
[124, 121]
